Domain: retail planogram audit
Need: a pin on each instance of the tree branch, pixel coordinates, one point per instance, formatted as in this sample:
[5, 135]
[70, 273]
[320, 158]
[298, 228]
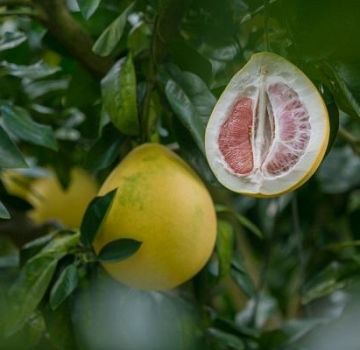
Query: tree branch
[56, 17]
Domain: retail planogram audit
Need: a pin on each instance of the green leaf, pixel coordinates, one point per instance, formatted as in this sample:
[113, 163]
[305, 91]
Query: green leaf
[28, 290]
[241, 277]
[119, 250]
[119, 96]
[37, 89]
[139, 38]
[34, 278]
[108, 40]
[61, 244]
[230, 341]
[11, 40]
[64, 286]
[105, 150]
[192, 154]
[35, 71]
[224, 246]
[241, 219]
[60, 326]
[324, 283]
[4, 214]
[189, 59]
[191, 101]
[10, 156]
[94, 216]
[18, 121]
[88, 7]
[344, 84]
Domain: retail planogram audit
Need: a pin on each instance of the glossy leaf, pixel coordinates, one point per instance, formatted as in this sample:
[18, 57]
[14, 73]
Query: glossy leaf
[29, 287]
[94, 216]
[224, 246]
[119, 96]
[191, 101]
[192, 154]
[139, 39]
[41, 88]
[106, 149]
[4, 214]
[10, 156]
[88, 7]
[111, 36]
[345, 86]
[119, 250]
[19, 122]
[35, 71]
[9, 40]
[64, 286]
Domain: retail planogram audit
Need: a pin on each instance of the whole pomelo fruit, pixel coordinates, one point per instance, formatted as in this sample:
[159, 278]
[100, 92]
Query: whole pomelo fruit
[161, 202]
[52, 202]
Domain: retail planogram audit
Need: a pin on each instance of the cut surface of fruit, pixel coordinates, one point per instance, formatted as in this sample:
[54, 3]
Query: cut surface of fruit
[269, 130]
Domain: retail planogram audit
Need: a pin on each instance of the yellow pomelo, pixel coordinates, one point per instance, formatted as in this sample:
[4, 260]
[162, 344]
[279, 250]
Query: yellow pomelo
[52, 202]
[161, 202]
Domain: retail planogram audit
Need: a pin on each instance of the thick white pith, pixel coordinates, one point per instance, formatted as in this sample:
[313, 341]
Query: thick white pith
[252, 81]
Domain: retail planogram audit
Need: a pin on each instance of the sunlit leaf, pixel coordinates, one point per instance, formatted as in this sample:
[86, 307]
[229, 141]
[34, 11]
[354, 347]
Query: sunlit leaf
[64, 286]
[9, 40]
[119, 96]
[111, 36]
[18, 121]
[190, 99]
[4, 214]
[29, 287]
[35, 71]
[88, 7]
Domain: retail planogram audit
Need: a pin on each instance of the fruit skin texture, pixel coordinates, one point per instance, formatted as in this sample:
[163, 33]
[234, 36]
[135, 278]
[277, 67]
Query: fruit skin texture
[262, 64]
[51, 202]
[161, 202]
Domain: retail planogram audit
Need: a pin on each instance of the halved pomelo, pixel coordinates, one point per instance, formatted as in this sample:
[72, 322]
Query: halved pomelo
[269, 130]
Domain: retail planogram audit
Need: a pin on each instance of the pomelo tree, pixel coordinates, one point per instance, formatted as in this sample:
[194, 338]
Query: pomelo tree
[84, 84]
